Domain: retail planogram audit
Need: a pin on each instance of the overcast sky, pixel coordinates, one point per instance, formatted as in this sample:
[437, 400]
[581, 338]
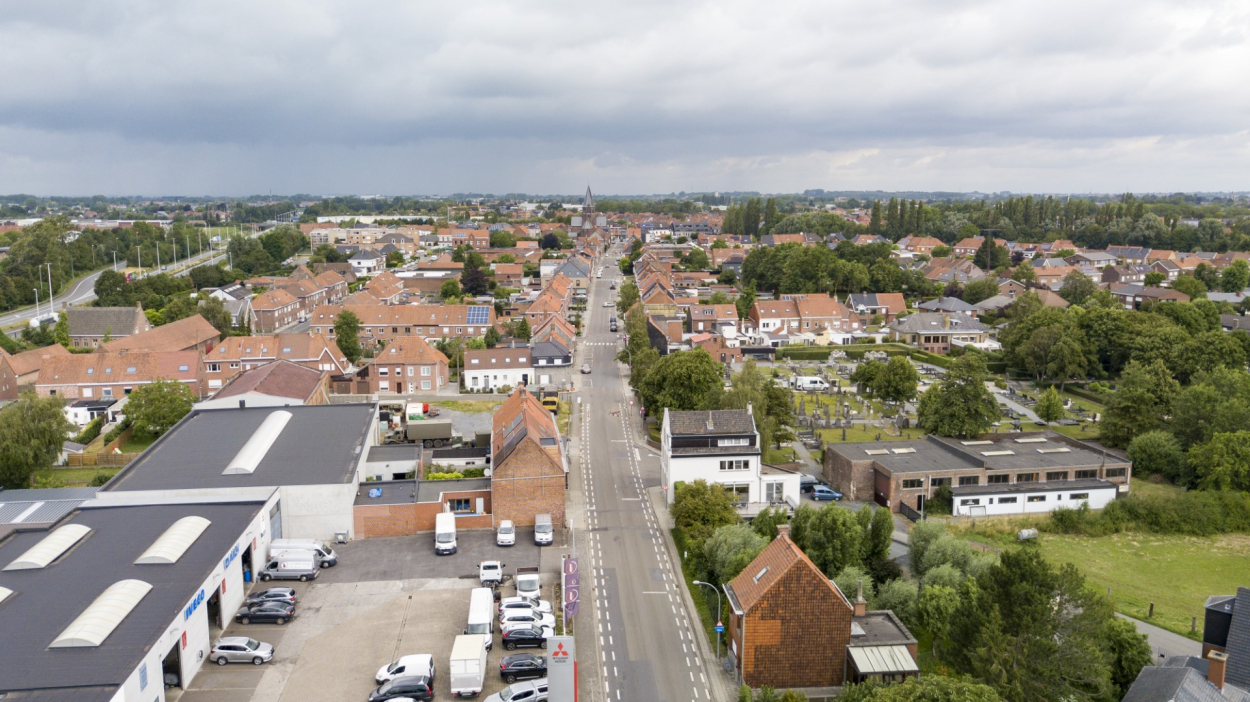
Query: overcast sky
[232, 97]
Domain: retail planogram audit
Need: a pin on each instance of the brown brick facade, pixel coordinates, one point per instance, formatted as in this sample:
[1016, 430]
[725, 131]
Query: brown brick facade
[413, 518]
[528, 483]
[796, 635]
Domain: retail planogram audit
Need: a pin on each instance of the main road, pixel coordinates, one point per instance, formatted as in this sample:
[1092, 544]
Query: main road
[643, 638]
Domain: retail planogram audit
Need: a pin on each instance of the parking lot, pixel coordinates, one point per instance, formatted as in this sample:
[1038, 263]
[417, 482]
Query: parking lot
[386, 598]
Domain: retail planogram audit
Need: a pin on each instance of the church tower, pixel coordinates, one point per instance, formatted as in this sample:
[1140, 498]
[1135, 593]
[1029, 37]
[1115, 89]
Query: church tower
[588, 202]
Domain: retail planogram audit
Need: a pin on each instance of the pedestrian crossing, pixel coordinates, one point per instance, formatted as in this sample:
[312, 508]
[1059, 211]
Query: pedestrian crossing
[599, 343]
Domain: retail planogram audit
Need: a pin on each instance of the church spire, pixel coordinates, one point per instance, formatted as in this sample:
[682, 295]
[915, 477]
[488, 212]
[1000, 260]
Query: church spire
[588, 202]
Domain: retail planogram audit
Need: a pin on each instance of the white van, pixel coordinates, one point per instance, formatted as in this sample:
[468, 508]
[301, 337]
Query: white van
[328, 557]
[298, 566]
[807, 382]
[481, 613]
[543, 533]
[444, 533]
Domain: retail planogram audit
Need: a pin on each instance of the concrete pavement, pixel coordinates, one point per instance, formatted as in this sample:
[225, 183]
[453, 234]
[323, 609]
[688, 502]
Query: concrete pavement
[1163, 643]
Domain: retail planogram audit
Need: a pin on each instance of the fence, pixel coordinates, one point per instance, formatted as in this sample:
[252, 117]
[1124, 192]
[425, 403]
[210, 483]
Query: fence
[906, 510]
[86, 460]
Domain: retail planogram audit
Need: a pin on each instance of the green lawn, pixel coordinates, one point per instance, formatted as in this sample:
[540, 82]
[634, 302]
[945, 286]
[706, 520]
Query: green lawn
[863, 432]
[73, 477]
[469, 405]
[134, 445]
[782, 455]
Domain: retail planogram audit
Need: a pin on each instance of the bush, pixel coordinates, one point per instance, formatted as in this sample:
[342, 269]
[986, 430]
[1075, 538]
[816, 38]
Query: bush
[883, 570]
[1193, 513]
[117, 431]
[898, 596]
[444, 476]
[945, 575]
[473, 472]
[99, 479]
[91, 431]
[848, 582]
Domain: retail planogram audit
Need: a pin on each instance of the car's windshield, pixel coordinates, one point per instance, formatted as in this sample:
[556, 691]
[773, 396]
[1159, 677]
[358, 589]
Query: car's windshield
[505, 529]
[252, 644]
[542, 528]
[507, 694]
[445, 538]
[391, 668]
[325, 548]
[479, 629]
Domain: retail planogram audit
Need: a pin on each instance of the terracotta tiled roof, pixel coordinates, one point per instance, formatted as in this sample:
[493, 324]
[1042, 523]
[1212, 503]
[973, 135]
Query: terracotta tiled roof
[278, 379]
[410, 349]
[290, 347]
[499, 357]
[777, 558]
[31, 361]
[175, 336]
[76, 369]
[273, 299]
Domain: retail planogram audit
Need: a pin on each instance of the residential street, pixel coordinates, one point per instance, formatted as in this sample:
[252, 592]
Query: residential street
[639, 627]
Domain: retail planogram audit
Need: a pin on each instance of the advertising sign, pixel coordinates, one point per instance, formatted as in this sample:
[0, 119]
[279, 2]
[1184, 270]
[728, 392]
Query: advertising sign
[561, 669]
[572, 587]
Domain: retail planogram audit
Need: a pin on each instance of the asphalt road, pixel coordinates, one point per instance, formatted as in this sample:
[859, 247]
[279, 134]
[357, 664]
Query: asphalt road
[644, 636]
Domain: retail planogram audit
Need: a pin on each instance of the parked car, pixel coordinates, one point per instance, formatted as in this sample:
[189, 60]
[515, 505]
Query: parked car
[824, 492]
[506, 536]
[807, 483]
[522, 666]
[490, 573]
[268, 613]
[586, 369]
[413, 687]
[241, 649]
[607, 303]
[530, 691]
[416, 664]
[541, 606]
[526, 636]
[273, 594]
[529, 616]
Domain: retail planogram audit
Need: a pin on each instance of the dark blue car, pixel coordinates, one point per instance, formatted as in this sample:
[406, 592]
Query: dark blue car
[824, 492]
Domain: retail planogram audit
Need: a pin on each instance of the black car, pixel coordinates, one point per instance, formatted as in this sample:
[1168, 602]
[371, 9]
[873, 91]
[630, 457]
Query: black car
[273, 594]
[270, 613]
[526, 637]
[416, 687]
[522, 666]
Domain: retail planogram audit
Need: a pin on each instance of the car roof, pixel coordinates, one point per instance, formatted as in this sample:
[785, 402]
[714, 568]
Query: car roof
[416, 658]
[506, 521]
[227, 640]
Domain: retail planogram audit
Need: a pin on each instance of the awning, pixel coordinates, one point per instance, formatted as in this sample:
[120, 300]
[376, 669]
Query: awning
[876, 660]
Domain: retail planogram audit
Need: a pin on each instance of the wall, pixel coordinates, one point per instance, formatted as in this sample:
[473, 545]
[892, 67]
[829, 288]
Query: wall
[854, 479]
[413, 518]
[796, 634]
[687, 469]
[1098, 498]
[527, 484]
[317, 511]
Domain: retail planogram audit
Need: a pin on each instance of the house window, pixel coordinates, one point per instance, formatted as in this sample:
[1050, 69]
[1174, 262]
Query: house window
[383, 371]
[90, 371]
[970, 480]
[773, 492]
[1081, 474]
[733, 442]
[214, 368]
[460, 504]
[1056, 475]
[938, 482]
[1114, 473]
[997, 479]
[425, 370]
[86, 392]
[970, 501]
[1007, 500]
[1079, 496]
[735, 465]
[127, 390]
[409, 371]
[384, 386]
[234, 365]
[425, 385]
[913, 483]
[106, 392]
[1026, 478]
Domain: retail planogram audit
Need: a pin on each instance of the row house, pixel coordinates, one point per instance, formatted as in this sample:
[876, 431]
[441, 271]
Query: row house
[1130, 255]
[441, 263]
[386, 288]
[19, 372]
[948, 305]
[1052, 276]
[237, 354]
[968, 247]
[1133, 295]
[192, 333]
[1125, 274]
[553, 300]
[554, 328]
[952, 270]
[343, 269]
[807, 314]
[500, 367]
[407, 366]
[105, 376]
[1093, 259]
[273, 310]
[91, 326]
[509, 275]
[719, 319]
[385, 323]
[919, 244]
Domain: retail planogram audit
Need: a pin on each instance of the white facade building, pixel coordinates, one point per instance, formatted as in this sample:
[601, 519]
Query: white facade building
[1032, 498]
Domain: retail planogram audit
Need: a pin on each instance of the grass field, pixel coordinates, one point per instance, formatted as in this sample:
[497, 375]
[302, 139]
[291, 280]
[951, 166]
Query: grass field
[863, 432]
[469, 405]
[136, 445]
[73, 477]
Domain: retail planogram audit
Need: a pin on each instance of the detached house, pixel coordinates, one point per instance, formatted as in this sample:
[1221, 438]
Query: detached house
[722, 447]
[869, 305]
[938, 332]
[529, 471]
[91, 326]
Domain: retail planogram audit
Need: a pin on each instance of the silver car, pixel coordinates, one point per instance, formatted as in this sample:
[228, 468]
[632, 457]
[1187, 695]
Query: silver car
[526, 691]
[240, 649]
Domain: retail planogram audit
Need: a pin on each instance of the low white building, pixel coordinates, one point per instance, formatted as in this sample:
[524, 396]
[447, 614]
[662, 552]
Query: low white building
[999, 499]
[492, 369]
[722, 447]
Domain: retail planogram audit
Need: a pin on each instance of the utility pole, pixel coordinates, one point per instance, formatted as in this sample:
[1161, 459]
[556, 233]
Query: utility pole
[36, 302]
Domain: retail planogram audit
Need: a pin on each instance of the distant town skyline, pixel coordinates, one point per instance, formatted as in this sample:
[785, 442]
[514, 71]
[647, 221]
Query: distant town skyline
[234, 98]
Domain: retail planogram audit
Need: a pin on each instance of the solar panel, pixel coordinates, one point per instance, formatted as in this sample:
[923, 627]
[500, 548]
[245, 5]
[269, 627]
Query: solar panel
[477, 315]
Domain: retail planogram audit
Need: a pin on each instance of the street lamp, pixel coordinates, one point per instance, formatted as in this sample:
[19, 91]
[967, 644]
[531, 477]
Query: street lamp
[719, 625]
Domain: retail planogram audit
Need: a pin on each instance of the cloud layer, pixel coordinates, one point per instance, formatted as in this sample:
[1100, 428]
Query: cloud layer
[233, 97]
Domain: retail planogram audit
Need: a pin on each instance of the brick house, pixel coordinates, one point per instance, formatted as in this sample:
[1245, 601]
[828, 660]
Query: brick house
[938, 332]
[273, 384]
[90, 326]
[273, 310]
[102, 376]
[713, 318]
[238, 354]
[869, 305]
[391, 322]
[529, 473]
[408, 366]
[193, 333]
[19, 372]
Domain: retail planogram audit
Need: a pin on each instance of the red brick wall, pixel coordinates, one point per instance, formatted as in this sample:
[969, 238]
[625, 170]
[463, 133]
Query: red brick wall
[528, 483]
[854, 479]
[796, 635]
[413, 518]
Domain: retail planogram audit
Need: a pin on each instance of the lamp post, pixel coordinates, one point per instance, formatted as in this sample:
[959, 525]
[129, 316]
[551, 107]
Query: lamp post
[36, 302]
[718, 611]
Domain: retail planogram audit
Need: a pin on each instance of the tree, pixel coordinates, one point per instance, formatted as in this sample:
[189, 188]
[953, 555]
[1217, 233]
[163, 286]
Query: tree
[866, 373]
[897, 380]
[1190, 285]
[921, 536]
[32, 431]
[766, 522]
[729, 550]
[492, 337]
[880, 535]
[1235, 277]
[1223, 463]
[898, 596]
[394, 259]
[700, 508]
[1143, 397]
[746, 298]
[450, 289]
[157, 406]
[502, 239]
[751, 218]
[1206, 352]
[942, 251]
[929, 688]
[832, 539]
[627, 298]
[1025, 274]
[959, 405]
[990, 255]
[1077, 287]
[935, 610]
[684, 380]
[1049, 405]
[347, 335]
[1156, 453]
[473, 280]
[1214, 402]
[1130, 652]
[110, 290]
[770, 216]
[61, 330]
[216, 314]
[520, 328]
[1154, 279]
[980, 289]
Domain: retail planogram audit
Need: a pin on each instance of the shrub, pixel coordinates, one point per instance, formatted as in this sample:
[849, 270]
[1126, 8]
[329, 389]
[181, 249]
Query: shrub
[883, 570]
[898, 596]
[1193, 513]
[444, 476]
[117, 431]
[473, 472]
[99, 479]
[91, 431]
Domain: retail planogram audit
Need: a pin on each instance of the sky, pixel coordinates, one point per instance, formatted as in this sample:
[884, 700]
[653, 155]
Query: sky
[238, 97]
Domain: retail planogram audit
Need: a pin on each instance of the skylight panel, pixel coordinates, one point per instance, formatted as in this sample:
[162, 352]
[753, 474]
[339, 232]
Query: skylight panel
[103, 615]
[876, 452]
[1032, 440]
[5, 593]
[50, 548]
[976, 443]
[998, 453]
[903, 450]
[1063, 449]
[250, 456]
[170, 546]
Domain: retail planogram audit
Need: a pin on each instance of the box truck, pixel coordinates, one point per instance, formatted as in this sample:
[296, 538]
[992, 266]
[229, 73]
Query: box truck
[468, 665]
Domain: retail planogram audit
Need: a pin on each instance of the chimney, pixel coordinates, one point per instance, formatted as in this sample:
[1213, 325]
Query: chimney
[861, 605]
[242, 404]
[1217, 661]
[783, 530]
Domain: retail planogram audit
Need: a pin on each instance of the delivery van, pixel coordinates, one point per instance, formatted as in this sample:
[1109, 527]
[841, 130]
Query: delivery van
[481, 613]
[297, 566]
[543, 533]
[807, 382]
[444, 533]
[328, 557]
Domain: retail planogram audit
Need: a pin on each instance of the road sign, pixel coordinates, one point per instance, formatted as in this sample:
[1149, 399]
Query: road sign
[720, 626]
[561, 669]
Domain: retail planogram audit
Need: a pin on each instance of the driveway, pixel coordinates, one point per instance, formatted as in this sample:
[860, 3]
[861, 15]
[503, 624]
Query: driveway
[412, 557]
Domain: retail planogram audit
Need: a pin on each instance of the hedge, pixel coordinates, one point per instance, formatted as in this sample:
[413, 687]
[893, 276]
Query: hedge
[1086, 394]
[1193, 513]
[90, 432]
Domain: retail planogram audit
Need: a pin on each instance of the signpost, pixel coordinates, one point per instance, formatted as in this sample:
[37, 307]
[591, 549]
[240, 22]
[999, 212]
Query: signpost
[562, 669]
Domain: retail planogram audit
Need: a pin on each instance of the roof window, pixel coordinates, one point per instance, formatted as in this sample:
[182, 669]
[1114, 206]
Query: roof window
[170, 546]
[998, 453]
[103, 615]
[130, 369]
[1032, 440]
[50, 548]
[762, 573]
[250, 456]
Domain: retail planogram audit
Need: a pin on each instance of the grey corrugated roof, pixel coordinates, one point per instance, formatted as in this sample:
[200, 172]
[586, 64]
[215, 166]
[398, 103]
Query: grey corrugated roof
[98, 321]
[320, 445]
[1238, 646]
[47, 600]
[702, 423]
[50, 503]
[44, 494]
